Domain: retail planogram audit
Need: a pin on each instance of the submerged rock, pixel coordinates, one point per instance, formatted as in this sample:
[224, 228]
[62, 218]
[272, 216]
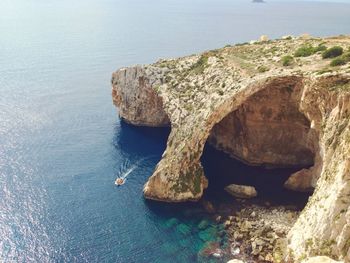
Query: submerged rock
[211, 249]
[208, 234]
[184, 229]
[208, 206]
[171, 222]
[203, 224]
[241, 191]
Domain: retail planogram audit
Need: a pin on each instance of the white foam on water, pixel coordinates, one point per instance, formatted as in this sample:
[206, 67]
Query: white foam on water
[126, 169]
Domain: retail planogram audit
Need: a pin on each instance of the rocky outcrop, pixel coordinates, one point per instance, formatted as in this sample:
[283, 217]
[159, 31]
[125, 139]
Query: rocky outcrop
[259, 231]
[241, 191]
[261, 112]
[137, 101]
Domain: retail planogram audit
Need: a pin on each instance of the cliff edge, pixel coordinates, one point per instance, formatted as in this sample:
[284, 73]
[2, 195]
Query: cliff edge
[262, 107]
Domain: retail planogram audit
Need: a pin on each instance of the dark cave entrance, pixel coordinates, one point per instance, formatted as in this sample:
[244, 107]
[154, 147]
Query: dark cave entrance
[222, 170]
[262, 143]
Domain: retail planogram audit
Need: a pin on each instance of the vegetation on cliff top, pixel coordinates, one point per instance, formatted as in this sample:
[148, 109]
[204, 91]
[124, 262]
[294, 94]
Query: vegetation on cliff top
[287, 60]
[332, 52]
[341, 60]
[219, 71]
[308, 50]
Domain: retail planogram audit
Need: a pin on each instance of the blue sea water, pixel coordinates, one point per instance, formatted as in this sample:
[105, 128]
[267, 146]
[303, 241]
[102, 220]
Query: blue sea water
[62, 144]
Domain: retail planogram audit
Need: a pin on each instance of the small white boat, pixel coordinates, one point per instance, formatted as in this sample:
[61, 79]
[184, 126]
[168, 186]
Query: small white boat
[119, 181]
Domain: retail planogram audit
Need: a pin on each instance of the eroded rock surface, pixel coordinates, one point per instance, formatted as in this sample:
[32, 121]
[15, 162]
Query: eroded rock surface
[268, 129]
[281, 116]
[259, 231]
[241, 191]
[137, 101]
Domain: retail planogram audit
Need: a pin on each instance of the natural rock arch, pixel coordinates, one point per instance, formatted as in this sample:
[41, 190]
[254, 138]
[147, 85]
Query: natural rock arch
[179, 175]
[197, 92]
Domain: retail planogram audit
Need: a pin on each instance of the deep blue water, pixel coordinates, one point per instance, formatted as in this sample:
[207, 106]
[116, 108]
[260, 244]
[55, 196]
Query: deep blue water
[61, 142]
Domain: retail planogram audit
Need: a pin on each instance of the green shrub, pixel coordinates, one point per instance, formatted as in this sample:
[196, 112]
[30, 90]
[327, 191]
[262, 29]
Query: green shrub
[346, 56]
[308, 50]
[242, 44]
[332, 52]
[322, 71]
[341, 60]
[304, 51]
[320, 47]
[263, 69]
[338, 61]
[287, 60]
[200, 65]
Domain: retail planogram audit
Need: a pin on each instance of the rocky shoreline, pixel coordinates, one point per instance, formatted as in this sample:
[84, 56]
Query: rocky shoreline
[256, 231]
[259, 231]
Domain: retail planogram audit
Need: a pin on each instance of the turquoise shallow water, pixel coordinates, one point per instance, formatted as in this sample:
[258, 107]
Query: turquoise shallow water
[62, 144]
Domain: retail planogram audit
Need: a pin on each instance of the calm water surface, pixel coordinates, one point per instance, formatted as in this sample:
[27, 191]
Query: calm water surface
[61, 142]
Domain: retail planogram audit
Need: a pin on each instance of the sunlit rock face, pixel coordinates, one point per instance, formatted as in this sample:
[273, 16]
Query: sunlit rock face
[137, 101]
[261, 112]
[268, 129]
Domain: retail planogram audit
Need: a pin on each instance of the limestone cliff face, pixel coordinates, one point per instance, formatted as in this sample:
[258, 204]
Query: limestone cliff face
[137, 101]
[268, 129]
[247, 104]
[324, 226]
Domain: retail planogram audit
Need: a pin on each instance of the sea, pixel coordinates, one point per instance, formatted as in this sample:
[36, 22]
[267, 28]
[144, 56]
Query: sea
[62, 144]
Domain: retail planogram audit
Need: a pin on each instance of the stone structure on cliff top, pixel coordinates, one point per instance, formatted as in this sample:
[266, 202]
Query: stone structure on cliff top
[243, 101]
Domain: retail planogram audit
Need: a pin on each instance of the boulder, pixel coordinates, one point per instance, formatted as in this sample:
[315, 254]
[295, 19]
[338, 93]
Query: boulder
[300, 181]
[235, 261]
[241, 191]
[203, 224]
[217, 219]
[208, 206]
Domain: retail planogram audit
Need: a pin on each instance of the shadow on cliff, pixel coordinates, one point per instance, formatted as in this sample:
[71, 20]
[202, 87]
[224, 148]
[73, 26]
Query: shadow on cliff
[140, 141]
[222, 170]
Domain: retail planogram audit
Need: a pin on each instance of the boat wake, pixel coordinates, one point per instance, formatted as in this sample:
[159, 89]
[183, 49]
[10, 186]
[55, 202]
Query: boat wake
[126, 169]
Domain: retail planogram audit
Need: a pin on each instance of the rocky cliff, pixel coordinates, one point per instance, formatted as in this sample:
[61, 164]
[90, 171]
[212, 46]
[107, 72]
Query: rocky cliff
[247, 101]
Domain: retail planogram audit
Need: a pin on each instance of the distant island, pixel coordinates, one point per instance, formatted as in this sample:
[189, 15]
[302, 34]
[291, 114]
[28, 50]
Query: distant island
[258, 1]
